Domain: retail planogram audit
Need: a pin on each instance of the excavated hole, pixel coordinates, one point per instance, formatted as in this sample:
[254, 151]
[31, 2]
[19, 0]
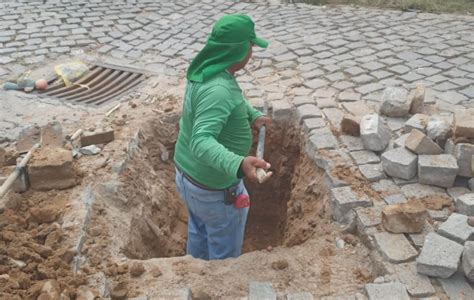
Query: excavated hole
[284, 211]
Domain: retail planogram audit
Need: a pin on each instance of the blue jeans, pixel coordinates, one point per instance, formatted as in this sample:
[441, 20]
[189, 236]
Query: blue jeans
[215, 230]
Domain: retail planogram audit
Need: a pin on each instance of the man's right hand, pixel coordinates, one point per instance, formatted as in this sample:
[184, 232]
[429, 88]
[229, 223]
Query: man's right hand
[250, 165]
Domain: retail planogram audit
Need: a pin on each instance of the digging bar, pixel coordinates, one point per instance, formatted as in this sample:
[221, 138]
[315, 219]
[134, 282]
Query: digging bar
[261, 173]
[20, 168]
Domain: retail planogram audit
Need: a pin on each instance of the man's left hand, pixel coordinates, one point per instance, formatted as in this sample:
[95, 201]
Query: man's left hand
[260, 121]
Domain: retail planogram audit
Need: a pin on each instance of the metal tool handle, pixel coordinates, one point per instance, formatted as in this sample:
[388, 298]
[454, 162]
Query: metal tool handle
[14, 175]
[261, 173]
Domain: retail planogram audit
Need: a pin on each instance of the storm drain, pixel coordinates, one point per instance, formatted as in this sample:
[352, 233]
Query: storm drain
[100, 85]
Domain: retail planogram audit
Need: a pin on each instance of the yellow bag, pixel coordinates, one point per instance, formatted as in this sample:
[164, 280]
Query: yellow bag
[70, 72]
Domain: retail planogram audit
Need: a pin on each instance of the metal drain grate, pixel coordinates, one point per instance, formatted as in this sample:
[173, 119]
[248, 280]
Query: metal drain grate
[100, 85]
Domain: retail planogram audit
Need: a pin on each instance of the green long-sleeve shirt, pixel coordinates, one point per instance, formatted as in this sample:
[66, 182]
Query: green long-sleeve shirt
[215, 133]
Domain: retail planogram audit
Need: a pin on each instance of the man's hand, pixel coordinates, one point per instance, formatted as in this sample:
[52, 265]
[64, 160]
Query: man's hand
[260, 121]
[250, 165]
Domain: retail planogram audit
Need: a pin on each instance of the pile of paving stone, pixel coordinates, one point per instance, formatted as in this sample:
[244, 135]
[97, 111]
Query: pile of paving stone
[436, 151]
[419, 161]
[433, 149]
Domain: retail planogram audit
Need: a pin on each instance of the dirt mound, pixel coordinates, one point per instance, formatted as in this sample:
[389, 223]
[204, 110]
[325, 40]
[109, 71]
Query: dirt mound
[34, 250]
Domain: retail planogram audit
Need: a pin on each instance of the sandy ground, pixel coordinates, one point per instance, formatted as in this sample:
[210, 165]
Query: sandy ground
[136, 214]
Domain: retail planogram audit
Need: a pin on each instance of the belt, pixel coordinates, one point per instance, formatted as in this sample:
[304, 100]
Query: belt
[202, 186]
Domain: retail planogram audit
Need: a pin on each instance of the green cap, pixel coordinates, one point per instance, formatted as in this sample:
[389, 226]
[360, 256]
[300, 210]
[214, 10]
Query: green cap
[236, 29]
[228, 44]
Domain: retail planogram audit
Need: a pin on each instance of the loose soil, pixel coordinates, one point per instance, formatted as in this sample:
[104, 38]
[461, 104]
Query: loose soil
[134, 243]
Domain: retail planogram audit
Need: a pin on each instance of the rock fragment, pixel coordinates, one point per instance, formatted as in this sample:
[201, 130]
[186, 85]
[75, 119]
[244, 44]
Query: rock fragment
[343, 200]
[403, 252]
[375, 135]
[465, 204]
[468, 260]
[404, 217]
[390, 290]
[439, 256]
[97, 137]
[419, 143]
[464, 123]
[417, 99]
[400, 163]
[261, 290]
[90, 150]
[418, 121]
[51, 168]
[394, 102]
[464, 153]
[457, 229]
[438, 129]
[439, 170]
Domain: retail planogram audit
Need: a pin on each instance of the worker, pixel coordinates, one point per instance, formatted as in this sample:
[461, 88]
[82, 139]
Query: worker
[214, 141]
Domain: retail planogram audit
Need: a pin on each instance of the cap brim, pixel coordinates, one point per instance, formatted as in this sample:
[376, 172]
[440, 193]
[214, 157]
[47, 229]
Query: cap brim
[259, 42]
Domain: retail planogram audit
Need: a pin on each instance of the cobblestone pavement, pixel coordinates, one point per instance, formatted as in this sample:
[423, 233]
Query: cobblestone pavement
[358, 51]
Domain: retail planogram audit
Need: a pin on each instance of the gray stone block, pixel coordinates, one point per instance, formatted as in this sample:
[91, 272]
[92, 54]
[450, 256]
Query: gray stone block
[419, 143]
[299, 296]
[439, 170]
[394, 199]
[417, 121]
[372, 172]
[418, 239]
[457, 229]
[368, 217]
[386, 291]
[394, 102]
[400, 163]
[364, 157]
[456, 287]
[417, 190]
[438, 128]
[450, 147]
[455, 192]
[343, 200]
[325, 159]
[464, 123]
[418, 285]
[403, 251]
[464, 153]
[321, 139]
[465, 204]
[307, 111]
[375, 135]
[471, 184]
[313, 123]
[468, 260]
[281, 110]
[439, 215]
[183, 294]
[334, 116]
[439, 257]
[261, 291]
[352, 143]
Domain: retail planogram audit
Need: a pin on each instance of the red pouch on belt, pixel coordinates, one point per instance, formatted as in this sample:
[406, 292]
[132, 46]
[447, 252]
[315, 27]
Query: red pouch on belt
[242, 201]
